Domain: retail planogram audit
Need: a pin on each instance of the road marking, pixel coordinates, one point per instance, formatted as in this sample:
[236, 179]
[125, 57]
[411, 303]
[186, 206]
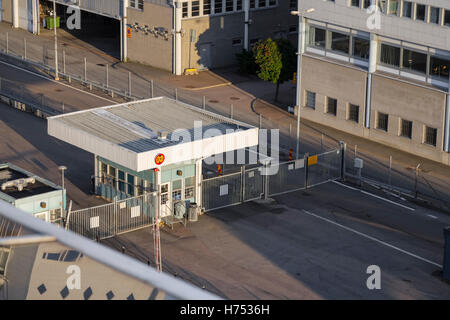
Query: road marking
[373, 239]
[375, 196]
[52, 80]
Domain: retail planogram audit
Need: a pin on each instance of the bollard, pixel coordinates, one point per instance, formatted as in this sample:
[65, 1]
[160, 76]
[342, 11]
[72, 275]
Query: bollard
[151, 88]
[446, 265]
[176, 94]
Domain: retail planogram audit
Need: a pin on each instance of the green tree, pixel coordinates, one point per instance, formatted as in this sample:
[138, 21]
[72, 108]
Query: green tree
[246, 61]
[268, 59]
[288, 61]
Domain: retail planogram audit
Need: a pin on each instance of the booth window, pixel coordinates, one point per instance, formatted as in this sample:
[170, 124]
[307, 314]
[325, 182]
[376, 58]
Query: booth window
[176, 190]
[189, 187]
[130, 180]
[122, 181]
[164, 193]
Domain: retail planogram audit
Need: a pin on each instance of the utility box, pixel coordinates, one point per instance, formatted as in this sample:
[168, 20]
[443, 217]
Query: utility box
[359, 163]
[49, 22]
[446, 271]
[194, 211]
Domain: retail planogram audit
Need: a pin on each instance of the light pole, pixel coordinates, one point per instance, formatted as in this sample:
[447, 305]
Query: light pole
[301, 38]
[63, 215]
[56, 41]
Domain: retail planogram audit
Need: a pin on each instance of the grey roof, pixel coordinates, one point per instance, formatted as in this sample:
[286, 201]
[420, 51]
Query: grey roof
[135, 125]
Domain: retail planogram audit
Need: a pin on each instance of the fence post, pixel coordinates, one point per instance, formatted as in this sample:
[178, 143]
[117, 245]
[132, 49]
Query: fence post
[343, 149]
[64, 62]
[321, 143]
[176, 94]
[260, 121]
[231, 111]
[85, 69]
[305, 159]
[243, 183]
[390, 170]
[115, 215]
[266, 180]
[7, 43]
[204, 103]
[415, 181]
[129, 83]
[107, 76]
[24, 48]
[151, 89]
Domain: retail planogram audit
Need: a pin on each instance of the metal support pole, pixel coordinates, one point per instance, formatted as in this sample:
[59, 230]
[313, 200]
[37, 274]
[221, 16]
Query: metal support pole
[266, 181]
[260, 121]
[85, 69]
[243, 183]
[64, 61]
[390, 170]
[24, 48]
[415, 181]
[231, 111]
[290, 130]
[305, 159]
[321, 143]
[176, 94]
[204, 103]
[7, 43]
[151, 89]
[129, 84]
[56, 41]
[107, 76]
[343, 148]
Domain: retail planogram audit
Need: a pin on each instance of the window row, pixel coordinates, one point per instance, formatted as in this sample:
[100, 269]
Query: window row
[200, 8]
[381, 119]
[354, 45]
[137, 4]
[414, 60]
[407, 9]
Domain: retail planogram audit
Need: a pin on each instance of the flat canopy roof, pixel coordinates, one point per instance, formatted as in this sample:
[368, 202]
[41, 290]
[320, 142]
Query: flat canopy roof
[133, 134]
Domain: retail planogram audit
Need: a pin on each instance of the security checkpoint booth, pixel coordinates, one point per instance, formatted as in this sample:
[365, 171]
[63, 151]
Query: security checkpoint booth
[152, 146]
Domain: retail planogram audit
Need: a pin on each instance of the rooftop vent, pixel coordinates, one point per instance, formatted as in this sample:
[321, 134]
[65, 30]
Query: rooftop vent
[18, 183]
[162, 135]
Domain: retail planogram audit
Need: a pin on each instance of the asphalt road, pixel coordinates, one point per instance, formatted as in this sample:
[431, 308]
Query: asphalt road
[306, 245]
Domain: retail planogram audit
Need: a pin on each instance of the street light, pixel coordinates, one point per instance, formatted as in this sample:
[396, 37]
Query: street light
[56, 41]
[63, 215]
[301, 36]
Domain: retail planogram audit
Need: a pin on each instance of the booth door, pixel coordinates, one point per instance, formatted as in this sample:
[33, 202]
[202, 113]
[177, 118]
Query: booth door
[166, 200]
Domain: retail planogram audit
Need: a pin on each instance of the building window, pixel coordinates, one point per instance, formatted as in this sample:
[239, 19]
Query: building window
[293, 5]
[420, 12]
[435, 14]
[272, 3]
[122, 181]
[407, 9]
[353, 112]
[184, 10]
[382, 5]
[382, 121]
[236, 42]
[218, 8]
[361, 48]
[195, 9]
[292, 29]
[317, 37]
[252, 4]
[261, 3]
[447, 18]
[439, 67]
[164, 193]
[406, 128]
[310, 99]
[137, 4]
[331, 107]
[253, 42]
[176, 190]
[4, 253]
[390, 55]
[340, 42]
[206, 7]
[238, 5]
[430, 136]
[393, 7]
[367, 4]
[229, 6]
[414, 61]
[355, 3]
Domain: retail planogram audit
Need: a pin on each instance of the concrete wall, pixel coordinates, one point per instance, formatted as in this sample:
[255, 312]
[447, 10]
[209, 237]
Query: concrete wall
[219, 30]
[149, 49]
[399, 99]
[7, 10]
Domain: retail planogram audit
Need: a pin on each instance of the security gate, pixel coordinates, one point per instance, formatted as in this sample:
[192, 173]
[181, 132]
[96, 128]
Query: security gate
[290, 176]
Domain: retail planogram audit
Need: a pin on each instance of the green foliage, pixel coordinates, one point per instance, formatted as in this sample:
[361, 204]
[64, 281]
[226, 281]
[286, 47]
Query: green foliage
[269, 61]
[288, 59]
[246, 61]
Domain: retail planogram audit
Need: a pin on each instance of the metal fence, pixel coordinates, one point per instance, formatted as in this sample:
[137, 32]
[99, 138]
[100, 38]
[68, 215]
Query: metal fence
[256, 183]
[111, 219]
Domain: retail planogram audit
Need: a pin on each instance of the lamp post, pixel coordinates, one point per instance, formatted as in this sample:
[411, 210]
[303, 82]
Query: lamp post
[301, 37]
[56, 41]
[63, 215]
